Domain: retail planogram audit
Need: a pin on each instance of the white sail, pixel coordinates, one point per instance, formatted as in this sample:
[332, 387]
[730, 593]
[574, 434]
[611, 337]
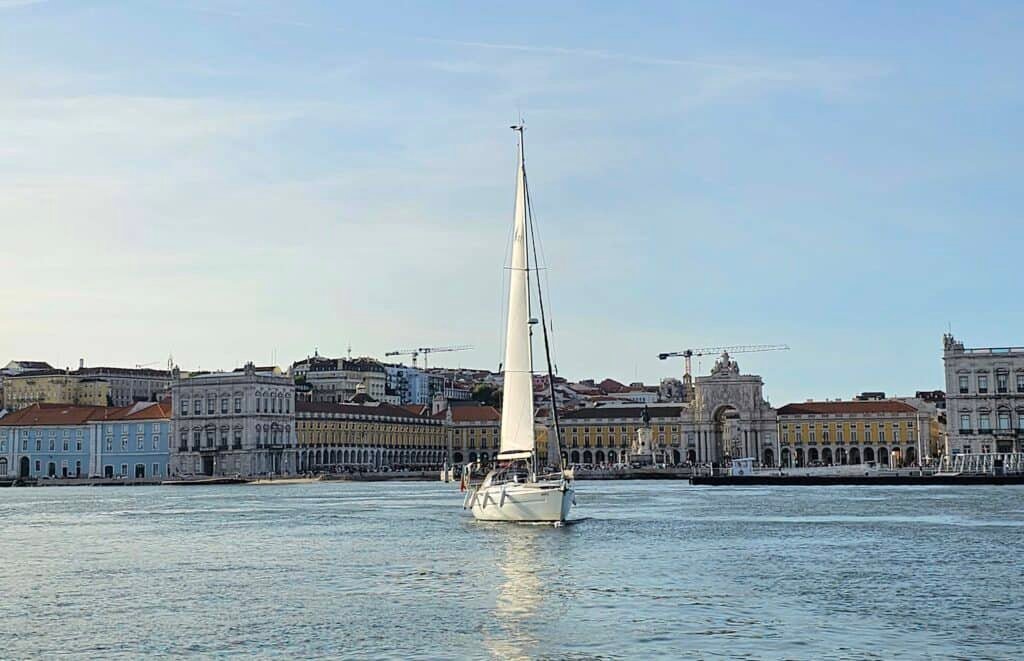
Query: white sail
[517, 439]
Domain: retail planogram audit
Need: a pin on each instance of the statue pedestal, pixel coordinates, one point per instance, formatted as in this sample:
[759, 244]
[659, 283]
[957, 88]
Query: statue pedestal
[642, 450]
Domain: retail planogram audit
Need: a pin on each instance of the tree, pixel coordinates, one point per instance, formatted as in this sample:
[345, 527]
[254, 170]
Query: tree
[487, 394]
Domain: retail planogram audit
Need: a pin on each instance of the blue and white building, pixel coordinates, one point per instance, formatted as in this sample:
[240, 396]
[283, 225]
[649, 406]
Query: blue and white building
[66, 441]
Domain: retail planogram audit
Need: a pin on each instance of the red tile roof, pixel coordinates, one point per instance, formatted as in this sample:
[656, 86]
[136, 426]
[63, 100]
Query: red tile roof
[846, 408]
[69, 414]
[605, 412]
[472, 414]
[53, 414]
[378, 408]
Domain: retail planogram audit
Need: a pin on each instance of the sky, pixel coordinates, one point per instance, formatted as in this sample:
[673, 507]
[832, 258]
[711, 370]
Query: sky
[243, 180]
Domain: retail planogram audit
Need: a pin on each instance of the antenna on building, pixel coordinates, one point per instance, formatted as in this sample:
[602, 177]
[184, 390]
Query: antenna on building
[349, 353]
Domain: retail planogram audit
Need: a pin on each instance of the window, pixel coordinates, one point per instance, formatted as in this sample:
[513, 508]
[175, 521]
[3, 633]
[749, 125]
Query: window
[895, 435]
[965, 423]
[156, 470]
[53, 443]
[1003, 420]
[1020, 421]
[224, 405]
[258, 403]
[1002, 382]
[39, 444]
[156, 442]
[1020, 383]
[839, 434]
[198, 404]
[65, 445]
[184, 407]
[963, 384]
[24, 445]
[124, 470]
[799, 435]
[983, 383]
[881, 435]
[810, 435]
[238, 404]
[211, 405]
[984, 422]
[140, 442]
[110, 444]
[124, 443]
[824, 435]
[78, 444]
[867, 434]
[853, 434]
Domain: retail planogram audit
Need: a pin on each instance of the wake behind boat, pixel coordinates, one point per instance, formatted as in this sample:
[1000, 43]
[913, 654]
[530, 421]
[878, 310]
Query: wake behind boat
[515, 490]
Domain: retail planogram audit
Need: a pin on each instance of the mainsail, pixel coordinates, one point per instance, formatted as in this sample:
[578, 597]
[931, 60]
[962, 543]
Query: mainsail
[517, 439]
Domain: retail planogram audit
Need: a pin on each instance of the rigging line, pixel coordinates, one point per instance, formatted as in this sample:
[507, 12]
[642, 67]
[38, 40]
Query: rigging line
[547, 281]
[544, 327]
[527, 234]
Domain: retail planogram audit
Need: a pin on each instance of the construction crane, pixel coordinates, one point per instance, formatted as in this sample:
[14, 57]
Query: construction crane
[687, 354]
[426, 351]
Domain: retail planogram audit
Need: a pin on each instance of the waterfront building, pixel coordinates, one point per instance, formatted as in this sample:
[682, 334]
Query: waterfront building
[730, 417]
[473, 431]
[726, 417]
[64, 440]
[233, 423]
[334, 380]
[885, 431]
[45, 439]
[984, 398]
[50, 386]
[368, 434]
[605, 434]
[131, 441]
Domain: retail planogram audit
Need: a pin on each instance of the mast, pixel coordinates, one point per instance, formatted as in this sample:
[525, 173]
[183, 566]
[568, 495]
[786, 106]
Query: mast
[517, 440]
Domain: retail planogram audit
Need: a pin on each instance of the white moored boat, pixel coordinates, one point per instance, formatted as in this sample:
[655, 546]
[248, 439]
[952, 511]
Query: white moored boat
[516, 490]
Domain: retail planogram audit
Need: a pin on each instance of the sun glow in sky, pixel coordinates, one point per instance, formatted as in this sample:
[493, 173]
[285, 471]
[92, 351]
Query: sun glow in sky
[228, 181]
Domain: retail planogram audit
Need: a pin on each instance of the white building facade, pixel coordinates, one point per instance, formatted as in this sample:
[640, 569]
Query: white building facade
[984, 398]
[233, 423]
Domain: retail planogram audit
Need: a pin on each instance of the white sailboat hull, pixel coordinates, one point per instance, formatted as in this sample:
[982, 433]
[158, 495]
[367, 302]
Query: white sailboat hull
[529, 501]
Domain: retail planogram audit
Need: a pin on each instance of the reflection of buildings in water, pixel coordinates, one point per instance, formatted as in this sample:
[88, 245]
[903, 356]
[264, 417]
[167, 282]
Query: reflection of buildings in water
[519, 596]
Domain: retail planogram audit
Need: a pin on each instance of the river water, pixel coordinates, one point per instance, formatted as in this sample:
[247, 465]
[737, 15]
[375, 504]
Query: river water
[397, 570]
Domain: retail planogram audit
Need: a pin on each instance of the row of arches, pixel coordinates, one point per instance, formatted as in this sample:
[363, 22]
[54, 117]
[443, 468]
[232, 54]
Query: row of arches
[884, 456]
[326, 458]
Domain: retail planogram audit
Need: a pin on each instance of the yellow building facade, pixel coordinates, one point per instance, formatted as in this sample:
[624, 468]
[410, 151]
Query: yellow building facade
[54, 387]
[369, 435]
[887, 432]
[604, 435]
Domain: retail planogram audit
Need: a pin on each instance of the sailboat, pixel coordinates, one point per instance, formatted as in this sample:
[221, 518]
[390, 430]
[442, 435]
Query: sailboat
[516, 489]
